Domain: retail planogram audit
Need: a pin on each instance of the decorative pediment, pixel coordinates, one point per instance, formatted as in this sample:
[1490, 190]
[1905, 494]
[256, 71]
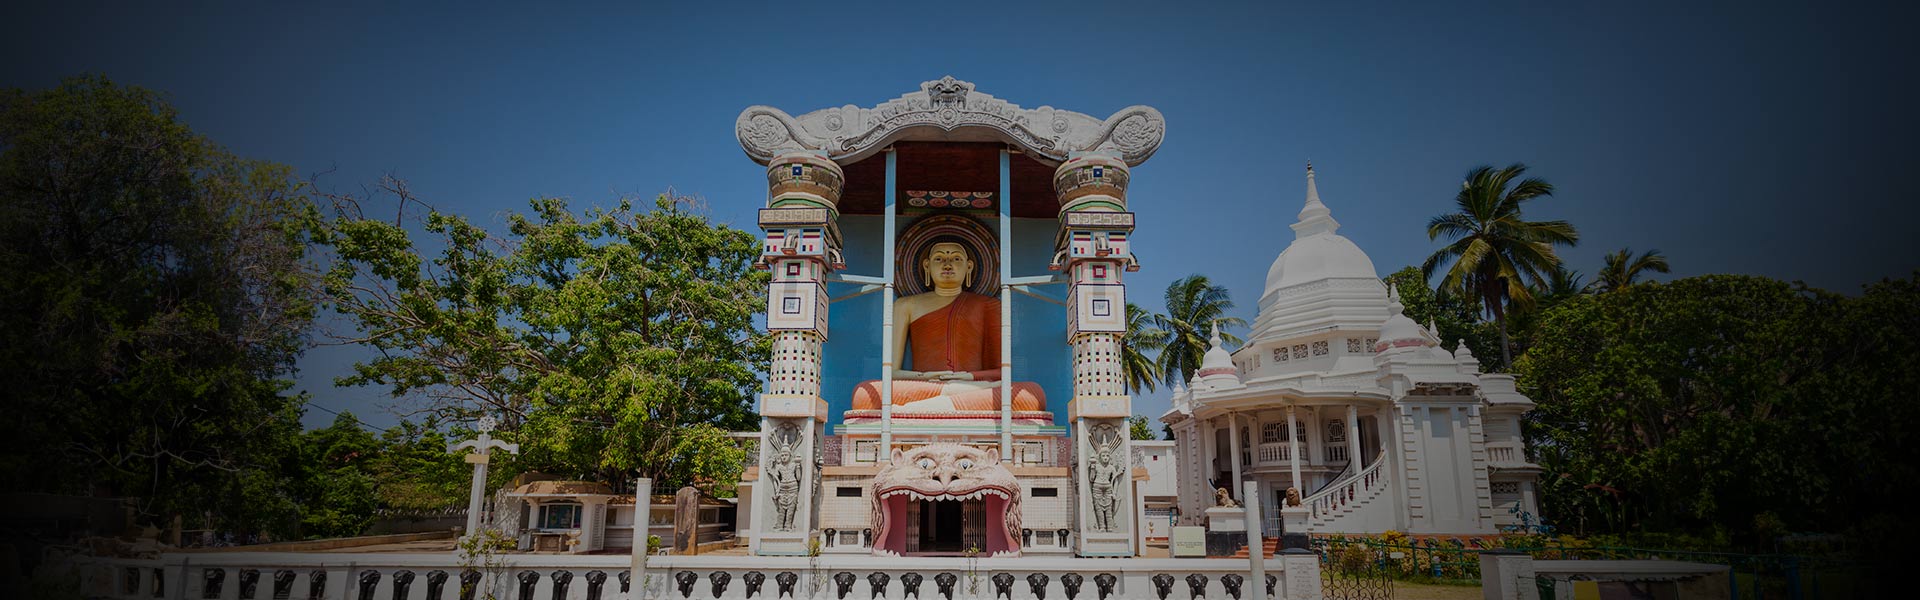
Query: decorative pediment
[950, 106]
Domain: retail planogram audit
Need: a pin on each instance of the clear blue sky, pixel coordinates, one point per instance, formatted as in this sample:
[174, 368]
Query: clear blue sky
[1741, 138]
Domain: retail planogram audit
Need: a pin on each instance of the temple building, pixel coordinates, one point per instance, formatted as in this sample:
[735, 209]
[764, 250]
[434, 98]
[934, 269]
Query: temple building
[947, 286]
[947, 304]
[1341, 396]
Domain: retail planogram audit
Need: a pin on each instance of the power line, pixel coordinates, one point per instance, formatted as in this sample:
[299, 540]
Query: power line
[350, 416]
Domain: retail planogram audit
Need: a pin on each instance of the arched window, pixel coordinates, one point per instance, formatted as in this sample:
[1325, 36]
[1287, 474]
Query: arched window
[1273, 433]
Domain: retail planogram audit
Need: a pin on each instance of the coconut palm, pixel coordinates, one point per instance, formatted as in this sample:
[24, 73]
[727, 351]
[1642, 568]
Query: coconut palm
[1495, 252]
[1140, 370]
[1562, 285]
[1623, 268]
[1194, 307]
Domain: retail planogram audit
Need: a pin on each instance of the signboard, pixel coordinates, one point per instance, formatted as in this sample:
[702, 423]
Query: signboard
[1189, 541]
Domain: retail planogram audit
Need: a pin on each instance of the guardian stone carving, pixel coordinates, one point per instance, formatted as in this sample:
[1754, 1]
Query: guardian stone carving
[783, 466]
[1105, 472]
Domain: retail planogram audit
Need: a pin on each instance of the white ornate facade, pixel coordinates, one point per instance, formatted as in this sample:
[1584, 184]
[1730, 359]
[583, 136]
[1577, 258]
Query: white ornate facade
[1339, 394]
[946, 164]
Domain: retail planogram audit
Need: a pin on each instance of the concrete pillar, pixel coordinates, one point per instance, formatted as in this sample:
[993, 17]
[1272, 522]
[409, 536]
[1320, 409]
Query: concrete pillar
[1233, 443]
[1507, 575]
[1256, 544]
[1353, 437]
[1209, 448]
[802, 247]
[642, 516]
[1293, 451]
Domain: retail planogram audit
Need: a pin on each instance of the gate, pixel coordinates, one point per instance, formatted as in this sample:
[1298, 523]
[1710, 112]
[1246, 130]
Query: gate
[1354, 573]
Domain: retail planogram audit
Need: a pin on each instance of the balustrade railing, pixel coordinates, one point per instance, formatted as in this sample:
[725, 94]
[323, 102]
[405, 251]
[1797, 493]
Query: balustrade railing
[1329, 502]
[444, 576]
[1275, 453]
[1502, 454]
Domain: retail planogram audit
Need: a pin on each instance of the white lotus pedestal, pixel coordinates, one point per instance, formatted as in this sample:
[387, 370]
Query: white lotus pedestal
[1226, 531]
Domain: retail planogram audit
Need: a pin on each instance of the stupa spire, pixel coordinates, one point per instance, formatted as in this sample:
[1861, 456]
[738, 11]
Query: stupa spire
[1315, 219]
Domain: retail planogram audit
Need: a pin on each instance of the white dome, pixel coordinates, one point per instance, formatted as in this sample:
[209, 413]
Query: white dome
[1313, 258]
[1322, 282]
[1217, 368]
[1318, 252]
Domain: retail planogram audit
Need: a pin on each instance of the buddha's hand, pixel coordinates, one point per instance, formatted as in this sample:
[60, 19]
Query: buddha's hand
[918, 375]
[955, 376]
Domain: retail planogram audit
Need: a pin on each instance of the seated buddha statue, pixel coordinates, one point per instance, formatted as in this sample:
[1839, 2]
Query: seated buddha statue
[954, 336]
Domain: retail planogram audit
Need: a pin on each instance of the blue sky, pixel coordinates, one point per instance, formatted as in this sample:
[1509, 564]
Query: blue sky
[1741, 138]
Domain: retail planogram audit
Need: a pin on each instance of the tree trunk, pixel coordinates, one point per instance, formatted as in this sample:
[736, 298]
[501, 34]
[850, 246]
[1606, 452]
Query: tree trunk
[1506, 348]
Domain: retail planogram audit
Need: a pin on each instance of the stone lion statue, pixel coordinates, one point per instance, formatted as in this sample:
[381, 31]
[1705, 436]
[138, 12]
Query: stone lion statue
[1223, 499]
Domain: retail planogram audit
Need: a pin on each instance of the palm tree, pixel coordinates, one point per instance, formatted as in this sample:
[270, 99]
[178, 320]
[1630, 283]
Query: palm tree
[1194, 306]
[1623, 268]
[1140, 370]
[1496, 252]
[1562, 285]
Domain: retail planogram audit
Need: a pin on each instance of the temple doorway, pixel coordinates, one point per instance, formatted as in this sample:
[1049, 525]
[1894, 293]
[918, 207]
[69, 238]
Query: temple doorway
[946, 526]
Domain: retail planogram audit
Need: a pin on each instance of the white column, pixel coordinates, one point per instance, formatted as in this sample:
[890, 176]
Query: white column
[642, 517]
[1293, 451]
[1139, 517]
[477, 497]
[1210, 454]
[1256, 547]
[1006, 306]
[887, 359]
[1353, 437]
[1233, 443]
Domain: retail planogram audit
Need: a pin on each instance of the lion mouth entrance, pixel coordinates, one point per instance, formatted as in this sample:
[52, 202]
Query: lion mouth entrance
[946, 524]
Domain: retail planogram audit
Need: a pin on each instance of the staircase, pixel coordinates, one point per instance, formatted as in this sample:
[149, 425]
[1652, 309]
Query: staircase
[1272, 545]
[1349, 504]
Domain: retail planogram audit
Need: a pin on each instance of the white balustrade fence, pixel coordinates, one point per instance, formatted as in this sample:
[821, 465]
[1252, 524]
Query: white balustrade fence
[1273, 454]
[323, 576]
[1331, 501]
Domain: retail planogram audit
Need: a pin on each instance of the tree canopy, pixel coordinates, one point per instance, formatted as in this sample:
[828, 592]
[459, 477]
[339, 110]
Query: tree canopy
[615, 344]
[156, 303]
[1726, 403]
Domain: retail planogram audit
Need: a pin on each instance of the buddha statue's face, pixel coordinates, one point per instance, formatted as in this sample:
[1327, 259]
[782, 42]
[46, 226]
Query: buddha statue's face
[948, 266]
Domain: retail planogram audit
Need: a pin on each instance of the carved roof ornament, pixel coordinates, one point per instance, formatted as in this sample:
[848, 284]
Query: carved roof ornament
[948, 108]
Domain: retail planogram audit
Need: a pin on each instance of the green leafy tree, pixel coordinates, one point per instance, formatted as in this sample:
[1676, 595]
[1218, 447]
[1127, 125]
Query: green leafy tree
[155, 304]
[1456, 319]
[341, 497]
[1721, 403]
[1138, 428]
[1195, 307]
[614, 344]
[415, 471]
[1495, 252]
[1623, 268]
[1142, 338]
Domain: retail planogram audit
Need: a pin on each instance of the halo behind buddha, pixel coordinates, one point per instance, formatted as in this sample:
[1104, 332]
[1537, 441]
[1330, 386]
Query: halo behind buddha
[921, 235]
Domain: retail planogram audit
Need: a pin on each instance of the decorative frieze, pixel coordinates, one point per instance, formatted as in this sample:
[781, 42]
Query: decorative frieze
[849, 133]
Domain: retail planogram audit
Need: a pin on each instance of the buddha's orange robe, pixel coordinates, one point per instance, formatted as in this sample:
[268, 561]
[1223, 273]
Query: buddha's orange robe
[962, 336]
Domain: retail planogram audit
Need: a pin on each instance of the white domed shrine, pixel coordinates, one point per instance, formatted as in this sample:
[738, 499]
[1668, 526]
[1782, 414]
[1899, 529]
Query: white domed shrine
[1341, 395]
